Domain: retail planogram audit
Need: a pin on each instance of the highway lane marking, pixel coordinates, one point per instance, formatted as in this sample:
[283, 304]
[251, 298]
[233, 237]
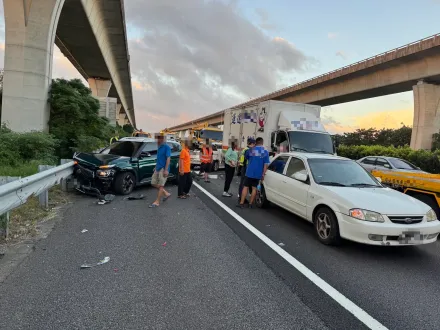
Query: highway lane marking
[342, 300]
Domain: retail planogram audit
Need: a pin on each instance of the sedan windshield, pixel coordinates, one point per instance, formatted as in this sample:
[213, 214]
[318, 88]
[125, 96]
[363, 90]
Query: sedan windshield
[401, 164]
[310, 142]
[341, 173]
[122, 148]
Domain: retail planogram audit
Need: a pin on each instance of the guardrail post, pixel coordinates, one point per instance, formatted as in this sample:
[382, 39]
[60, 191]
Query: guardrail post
[44, 196]
[4, 218]
[66, 182]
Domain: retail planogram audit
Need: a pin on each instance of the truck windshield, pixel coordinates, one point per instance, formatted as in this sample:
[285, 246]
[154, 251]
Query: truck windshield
[212, 135]
[310, 142]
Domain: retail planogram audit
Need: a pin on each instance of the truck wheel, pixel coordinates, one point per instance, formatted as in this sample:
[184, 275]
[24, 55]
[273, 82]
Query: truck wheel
[326, 226]
[430, 201]
[215, 166]
[124, 183]
[261, 200]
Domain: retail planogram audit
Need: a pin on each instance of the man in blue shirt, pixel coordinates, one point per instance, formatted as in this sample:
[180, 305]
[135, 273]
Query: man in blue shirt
[162, 169]
[258, 161]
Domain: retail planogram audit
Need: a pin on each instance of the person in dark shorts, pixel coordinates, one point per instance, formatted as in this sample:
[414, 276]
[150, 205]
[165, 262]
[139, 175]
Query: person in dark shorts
[258, 161]
[206, 160]
[243, 164]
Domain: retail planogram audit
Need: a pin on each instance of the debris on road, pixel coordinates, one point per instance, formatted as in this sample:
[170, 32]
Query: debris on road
[164, 244]
[84, 231]
[106, 199]
[281, 244]
[133, 198]
[103, 261]
[213, 176]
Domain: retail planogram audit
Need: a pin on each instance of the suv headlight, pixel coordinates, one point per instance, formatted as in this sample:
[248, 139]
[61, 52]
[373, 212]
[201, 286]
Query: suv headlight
[366, 215]
[431, 216]
[105, 173]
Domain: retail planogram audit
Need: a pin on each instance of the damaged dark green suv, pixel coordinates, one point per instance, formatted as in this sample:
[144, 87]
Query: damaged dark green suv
[122, 166]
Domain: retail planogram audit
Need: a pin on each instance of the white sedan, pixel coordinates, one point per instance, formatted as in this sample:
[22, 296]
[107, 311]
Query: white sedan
[343, 200]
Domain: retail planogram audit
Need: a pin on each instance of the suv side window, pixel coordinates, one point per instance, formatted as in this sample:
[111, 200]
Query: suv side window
[295, 165]
[369, 161]
[174, 146]
[278, 164]
[150, 147]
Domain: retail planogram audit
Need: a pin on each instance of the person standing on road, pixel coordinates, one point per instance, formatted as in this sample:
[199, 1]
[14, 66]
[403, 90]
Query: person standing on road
[206, 160]
[258, 161]
[161, 171]
[185, 178]
[231, 158]
[243, 163]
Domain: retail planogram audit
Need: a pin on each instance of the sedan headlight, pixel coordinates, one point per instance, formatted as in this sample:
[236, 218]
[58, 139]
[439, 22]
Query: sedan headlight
[366, 215]
[431, 216]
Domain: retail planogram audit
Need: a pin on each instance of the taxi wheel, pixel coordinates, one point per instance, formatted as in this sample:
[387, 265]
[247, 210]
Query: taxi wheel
[124, 183]
[326, 226]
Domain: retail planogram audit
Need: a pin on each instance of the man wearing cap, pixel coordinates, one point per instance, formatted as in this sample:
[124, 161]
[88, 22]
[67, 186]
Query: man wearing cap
[243, 164]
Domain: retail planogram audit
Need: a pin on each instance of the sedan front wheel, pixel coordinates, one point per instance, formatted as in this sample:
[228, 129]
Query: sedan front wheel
[326, 226]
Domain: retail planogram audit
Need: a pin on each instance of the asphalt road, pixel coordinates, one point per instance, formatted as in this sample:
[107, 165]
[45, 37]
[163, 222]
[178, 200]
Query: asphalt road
[204, 277]
[398, 286]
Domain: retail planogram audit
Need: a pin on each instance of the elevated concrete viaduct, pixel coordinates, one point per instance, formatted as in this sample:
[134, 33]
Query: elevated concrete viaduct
[91, 34]
[415, 67]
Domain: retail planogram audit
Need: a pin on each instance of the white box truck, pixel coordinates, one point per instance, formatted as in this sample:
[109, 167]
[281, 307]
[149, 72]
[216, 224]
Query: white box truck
[284, 126]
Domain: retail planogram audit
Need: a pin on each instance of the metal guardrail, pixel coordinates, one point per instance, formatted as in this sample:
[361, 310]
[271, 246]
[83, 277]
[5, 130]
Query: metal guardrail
[16, 193]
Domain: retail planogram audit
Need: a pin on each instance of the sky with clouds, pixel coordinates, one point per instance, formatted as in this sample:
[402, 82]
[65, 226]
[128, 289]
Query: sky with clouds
[190, 58]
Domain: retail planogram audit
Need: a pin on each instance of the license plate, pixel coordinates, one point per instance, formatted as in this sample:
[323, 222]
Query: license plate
[410, 237]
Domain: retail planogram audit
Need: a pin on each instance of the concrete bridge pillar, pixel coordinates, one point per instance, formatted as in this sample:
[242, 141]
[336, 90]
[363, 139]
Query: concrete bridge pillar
[100, 87]
[30, 28]
[426, 115]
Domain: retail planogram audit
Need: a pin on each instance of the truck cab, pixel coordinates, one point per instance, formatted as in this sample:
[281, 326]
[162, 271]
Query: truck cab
[300, 132]
[301, 141]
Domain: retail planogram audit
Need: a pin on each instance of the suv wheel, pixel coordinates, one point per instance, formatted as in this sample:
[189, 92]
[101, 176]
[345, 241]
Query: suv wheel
[124, 183]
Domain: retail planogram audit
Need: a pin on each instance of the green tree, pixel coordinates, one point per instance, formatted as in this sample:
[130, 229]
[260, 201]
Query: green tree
[385, 137]
[128, 129]
[74, 118]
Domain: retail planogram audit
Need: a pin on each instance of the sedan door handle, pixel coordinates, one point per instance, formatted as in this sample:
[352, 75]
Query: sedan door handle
[284, 181]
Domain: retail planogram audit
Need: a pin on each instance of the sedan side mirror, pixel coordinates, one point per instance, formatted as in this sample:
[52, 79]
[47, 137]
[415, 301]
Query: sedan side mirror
[300, 176]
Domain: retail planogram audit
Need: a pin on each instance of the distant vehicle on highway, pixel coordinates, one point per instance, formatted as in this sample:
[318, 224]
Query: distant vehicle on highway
[344, 201]
[122, 166]
[218, 158]
[381, 163]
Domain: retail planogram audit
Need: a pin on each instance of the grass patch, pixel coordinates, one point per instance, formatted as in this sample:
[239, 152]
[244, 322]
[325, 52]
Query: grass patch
[22, 170]
[24, 219]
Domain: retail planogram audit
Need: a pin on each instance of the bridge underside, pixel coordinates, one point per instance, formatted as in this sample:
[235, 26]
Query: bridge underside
[413, 68]
[92, 55]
